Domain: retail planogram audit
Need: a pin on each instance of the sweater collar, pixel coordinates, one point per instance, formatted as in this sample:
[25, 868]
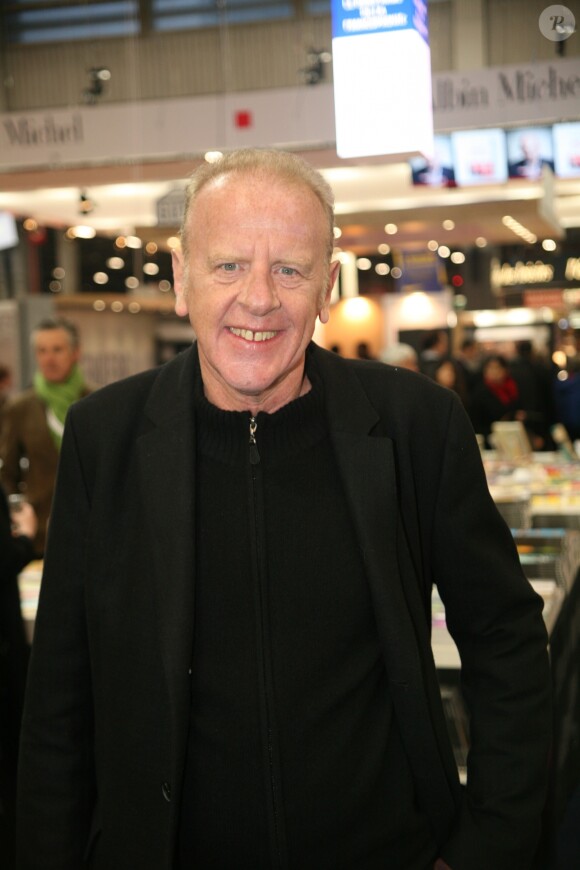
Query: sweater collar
[224, 435]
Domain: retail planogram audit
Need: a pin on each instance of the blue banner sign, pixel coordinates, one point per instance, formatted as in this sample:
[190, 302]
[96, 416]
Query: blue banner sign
[355, 17]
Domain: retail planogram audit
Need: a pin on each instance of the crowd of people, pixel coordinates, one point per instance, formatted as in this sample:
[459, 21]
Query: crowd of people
[496, 387]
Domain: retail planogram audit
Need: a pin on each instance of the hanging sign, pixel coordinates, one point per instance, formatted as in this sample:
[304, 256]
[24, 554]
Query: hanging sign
[382, 78]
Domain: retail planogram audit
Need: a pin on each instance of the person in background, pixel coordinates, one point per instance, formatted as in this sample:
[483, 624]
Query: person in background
[232, 664]
[434, 347]
[566, 393]
[448, 374]
[496, 398]
[533, 377]
[401, 354]
[33, 424]
[5, 387]
[468, 360]
[17, 530]
[363, 351]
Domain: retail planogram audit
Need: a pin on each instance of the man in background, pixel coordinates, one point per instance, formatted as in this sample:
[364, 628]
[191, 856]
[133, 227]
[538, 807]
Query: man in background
[33, 422]
[434, 348]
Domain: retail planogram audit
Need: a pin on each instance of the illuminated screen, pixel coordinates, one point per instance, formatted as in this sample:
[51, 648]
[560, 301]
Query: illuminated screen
[567, 149]
[479, 156]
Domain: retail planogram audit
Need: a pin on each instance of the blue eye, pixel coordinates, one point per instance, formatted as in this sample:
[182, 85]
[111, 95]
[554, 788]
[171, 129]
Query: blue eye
[287, 270]
[229, 267]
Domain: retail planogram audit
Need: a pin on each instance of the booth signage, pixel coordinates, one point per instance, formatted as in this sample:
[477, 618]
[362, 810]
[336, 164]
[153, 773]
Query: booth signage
[559, 269]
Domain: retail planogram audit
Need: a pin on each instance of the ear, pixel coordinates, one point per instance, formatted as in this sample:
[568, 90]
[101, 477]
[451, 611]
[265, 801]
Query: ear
[179, 283]
[324, 313]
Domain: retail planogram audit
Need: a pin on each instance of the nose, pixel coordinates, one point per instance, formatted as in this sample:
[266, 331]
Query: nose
[259, 295]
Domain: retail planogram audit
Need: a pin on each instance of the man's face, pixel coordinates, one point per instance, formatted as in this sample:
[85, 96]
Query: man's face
[55, 356]
[257, 277]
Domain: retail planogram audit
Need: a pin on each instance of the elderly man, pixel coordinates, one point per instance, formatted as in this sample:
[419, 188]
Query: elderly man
[33, 423]
[232, 666]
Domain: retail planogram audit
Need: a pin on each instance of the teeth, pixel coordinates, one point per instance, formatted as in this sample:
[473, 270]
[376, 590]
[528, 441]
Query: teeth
[248, 335]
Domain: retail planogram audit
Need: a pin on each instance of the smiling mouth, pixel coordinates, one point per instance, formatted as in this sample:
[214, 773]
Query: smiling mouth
[248, 335]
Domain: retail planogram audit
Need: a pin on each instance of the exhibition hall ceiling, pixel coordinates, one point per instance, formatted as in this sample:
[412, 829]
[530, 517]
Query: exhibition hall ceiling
[369, 196]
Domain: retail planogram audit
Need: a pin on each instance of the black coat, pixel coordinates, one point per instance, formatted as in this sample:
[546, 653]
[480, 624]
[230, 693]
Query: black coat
[15, 553]
[106, 720]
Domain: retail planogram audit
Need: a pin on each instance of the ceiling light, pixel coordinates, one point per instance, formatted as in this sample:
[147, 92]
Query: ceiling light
[357, 308]
[396, 272]
[432, 245]
[363, 263]
[30, 225]
[131, 283]
[86, 204]
[391, 229]
[337, 232]
[457, 257]
[314, 72]
[151, 247]
[101, 278]
[117, 306]
[443, 251]
[151, 269]
[115, 263]
[98, 75]
[384, 249]
[448, 225]
[133, 242]
[481, 242]
[83, 232]
[519, 229]
[382, 269]
[549, 245]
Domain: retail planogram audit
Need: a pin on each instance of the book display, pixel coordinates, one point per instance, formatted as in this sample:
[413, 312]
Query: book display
[539, 498]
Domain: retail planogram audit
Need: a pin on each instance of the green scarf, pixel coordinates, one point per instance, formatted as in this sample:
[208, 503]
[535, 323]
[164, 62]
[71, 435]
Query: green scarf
[58, 399]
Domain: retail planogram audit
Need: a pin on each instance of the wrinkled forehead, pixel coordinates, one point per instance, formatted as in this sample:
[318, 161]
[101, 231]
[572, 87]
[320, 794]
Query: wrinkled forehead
[258, 204]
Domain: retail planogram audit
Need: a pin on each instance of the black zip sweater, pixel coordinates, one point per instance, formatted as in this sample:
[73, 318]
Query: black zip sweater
[294, 760]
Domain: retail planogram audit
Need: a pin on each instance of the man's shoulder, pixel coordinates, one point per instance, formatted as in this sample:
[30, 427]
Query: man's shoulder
[398, 395]
[383, 378]
[23, 403]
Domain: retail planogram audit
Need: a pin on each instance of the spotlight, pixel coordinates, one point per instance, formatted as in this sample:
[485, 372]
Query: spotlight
[314, 72]
[98, 75]
[86, 204]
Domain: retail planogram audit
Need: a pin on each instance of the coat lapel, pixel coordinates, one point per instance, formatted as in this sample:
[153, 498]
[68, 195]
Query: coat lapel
[166, 455]
[367, 465]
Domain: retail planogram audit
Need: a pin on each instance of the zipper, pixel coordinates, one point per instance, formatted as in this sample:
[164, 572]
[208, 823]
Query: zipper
[278, 856]
[254, 454]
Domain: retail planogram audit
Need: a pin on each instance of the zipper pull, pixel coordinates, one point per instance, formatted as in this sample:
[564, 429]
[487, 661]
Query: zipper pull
[254, 455]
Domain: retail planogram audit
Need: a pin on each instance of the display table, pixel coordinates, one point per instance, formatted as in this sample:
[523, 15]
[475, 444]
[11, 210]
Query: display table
[555, 553]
